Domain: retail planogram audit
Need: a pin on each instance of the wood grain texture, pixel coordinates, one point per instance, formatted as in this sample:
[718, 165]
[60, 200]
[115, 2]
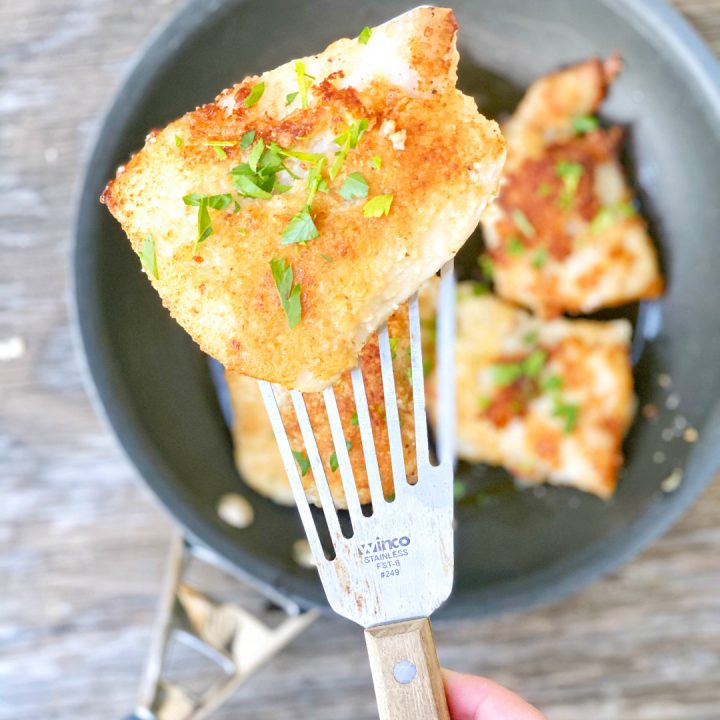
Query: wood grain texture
[82, 543]
[420, 694]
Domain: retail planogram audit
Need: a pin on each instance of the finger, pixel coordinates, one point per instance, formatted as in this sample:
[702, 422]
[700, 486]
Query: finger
[475, 698]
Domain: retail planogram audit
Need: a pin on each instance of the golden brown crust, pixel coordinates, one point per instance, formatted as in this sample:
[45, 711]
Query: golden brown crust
[584, 245]
[527, 424]
[440, 160]
[258, 458]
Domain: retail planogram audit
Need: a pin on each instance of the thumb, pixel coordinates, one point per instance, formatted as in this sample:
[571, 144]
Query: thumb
[475, 698]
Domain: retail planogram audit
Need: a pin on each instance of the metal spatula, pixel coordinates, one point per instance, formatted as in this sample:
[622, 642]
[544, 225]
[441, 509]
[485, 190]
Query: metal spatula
[397, 567]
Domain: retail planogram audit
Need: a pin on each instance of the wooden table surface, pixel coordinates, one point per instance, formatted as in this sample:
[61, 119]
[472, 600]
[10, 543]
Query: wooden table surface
[82, 542]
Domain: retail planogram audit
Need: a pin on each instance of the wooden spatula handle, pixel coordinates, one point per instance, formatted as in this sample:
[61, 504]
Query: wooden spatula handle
[406, 671]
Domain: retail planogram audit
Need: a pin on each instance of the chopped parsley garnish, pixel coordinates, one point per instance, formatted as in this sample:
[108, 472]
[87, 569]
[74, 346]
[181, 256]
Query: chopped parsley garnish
[148, 256]
[257, 177]
[544, 189]
[608, 215]
[334, 465]
[365, 35]
[531, 337]
[256, 92]
[534, 363]
[178, 141]
[568, 413]
[522, 223]
[515, 245]
[354, 419]
[203, 204]
[479, 289]
[459, 490]
[529, 367]
[570, 174]
[347, 141]
[487, 266]
[378, 206]
[540, 258]
[219, 145]
[255, 155]
[326, 258]
[582, 124]
[302, 461]
[551, 383]
[247, 139]
[289, 293]
[302, 81]
[484, 403]
[290, 97]
[355, 186]
[393, 347]
[376, 161]
[300, 229]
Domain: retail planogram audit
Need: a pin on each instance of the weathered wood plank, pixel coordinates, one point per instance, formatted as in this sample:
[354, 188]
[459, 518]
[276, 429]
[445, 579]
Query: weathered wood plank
[82, 544]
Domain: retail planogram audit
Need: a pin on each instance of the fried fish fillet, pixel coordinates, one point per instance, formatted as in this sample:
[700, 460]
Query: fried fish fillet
[258, 458]
[548, 400]
[373, 171]
[565, 235]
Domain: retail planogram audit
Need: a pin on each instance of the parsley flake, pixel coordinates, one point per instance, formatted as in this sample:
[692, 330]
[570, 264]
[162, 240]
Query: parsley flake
[289, 293]
[515, 245]
[544, 189]
[540, 258]
[148, 256]
[365, 35]
[608, 215]
[247, 139]
[393, 347]
[522, 223]
[568, 413]
[204, 203]
[302, 461]
[570, 174]
[302, 81]
[582, 124]
[355, 186]
[256, 92]
[326, 258]
[347, 141]
[334, 465]
[551, 383]
[507, 373]
[487, 266]
[178, 141]
[378, 206]
[354, 419]
[290, 97]
[479, 289]
[219, 146]
[300, 229]
[376, 161]
[257, 177]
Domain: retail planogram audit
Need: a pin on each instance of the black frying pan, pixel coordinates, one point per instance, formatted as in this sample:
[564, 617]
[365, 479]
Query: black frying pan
[515, 547]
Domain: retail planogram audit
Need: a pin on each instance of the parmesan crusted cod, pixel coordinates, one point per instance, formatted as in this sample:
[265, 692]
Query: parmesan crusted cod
[565, 235]
[256, 453]
[283, 222]
[548, 400]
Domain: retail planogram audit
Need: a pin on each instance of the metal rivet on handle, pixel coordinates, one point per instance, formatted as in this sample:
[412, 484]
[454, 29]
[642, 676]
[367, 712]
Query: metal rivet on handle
[404, 672]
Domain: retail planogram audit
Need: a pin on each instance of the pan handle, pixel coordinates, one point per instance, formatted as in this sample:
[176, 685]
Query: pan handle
[234, 638]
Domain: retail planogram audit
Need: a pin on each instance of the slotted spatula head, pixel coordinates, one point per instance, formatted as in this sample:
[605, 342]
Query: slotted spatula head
[398, 563]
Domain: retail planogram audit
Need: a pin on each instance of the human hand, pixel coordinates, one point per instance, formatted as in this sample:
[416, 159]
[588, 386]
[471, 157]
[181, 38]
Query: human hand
[476, 698]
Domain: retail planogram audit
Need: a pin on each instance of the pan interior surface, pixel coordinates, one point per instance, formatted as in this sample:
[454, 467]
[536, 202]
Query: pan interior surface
[514, 547]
